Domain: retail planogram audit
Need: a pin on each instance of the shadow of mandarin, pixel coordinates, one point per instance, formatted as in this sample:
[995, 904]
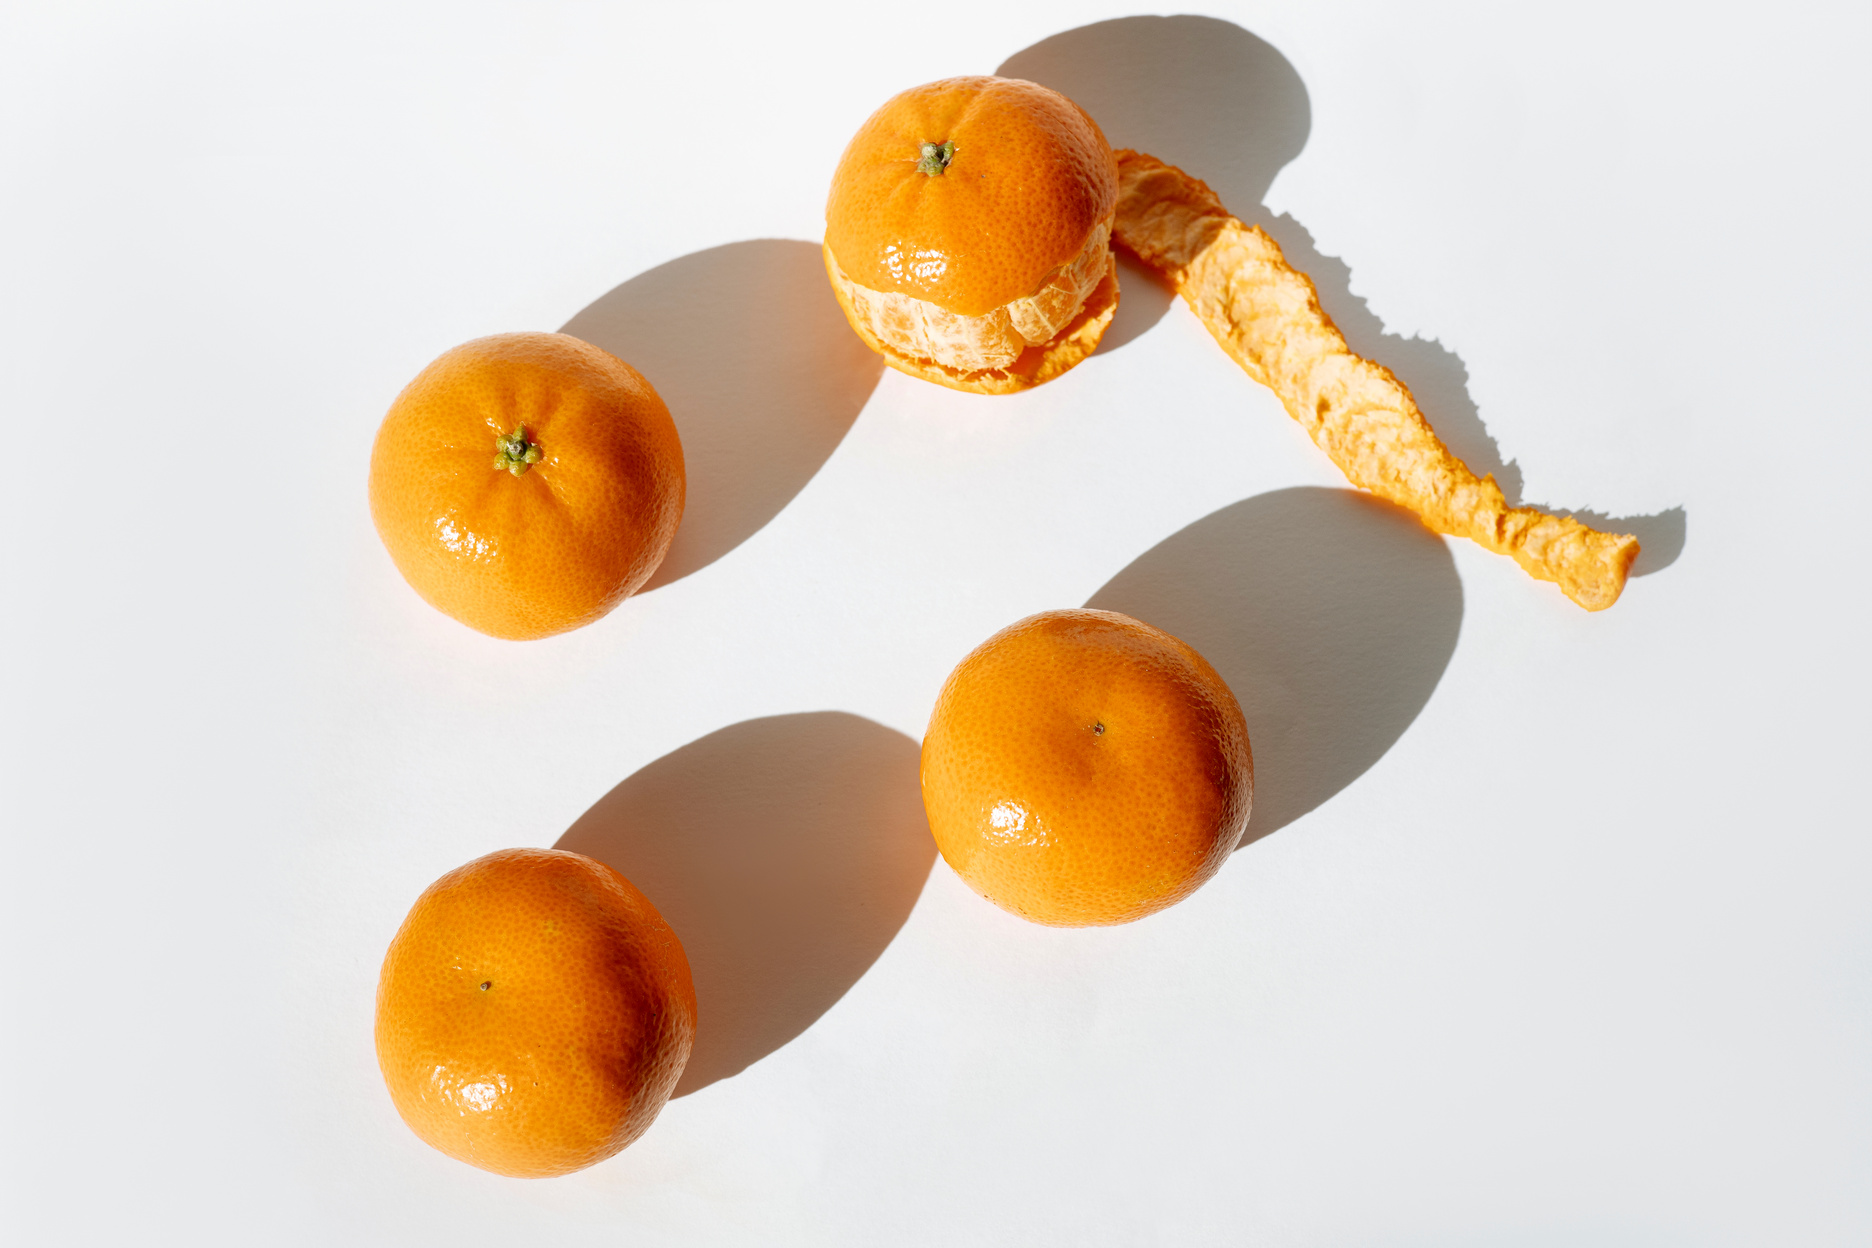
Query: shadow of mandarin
[1201, 93]
[1331, 614]
[762, 375]
[786, 852]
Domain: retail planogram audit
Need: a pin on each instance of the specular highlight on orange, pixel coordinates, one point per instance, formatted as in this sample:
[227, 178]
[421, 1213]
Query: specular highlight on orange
[967, 233]
[1082, 767]
[534, 1013]
[526, 484]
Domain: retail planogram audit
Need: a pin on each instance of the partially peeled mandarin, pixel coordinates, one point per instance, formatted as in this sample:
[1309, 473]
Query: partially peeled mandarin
[968, 233]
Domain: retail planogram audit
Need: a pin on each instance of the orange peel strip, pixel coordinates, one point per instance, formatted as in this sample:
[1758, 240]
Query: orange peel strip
[1267, 316]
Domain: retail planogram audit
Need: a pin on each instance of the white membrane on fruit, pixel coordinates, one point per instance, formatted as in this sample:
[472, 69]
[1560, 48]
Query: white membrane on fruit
[969, 344]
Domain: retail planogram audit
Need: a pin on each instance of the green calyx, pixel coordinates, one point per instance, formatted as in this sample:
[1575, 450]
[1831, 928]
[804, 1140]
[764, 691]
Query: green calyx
[936, 158]
[514, 453]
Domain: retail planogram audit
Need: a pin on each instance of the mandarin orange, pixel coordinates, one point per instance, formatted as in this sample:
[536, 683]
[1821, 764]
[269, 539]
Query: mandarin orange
[1082, 767]
[527, 483]
[534, 1013]
[968, 233]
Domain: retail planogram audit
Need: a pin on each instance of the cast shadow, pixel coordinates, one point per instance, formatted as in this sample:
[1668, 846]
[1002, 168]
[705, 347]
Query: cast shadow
[786, 853]
[1226, 106]
[1330, 613]
[1146, 296]
[761, 373]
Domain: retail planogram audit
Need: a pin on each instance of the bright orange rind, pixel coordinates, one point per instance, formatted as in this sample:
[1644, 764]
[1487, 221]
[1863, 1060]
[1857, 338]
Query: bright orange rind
[527, 483]
[1082, 767]
[534, 1013]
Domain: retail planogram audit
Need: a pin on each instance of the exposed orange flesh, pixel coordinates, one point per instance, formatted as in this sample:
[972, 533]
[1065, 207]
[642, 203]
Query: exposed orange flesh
[1036, 363]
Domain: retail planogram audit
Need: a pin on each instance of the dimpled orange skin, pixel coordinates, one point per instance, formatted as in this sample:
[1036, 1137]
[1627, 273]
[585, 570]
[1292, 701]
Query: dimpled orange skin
[534, 1013]
[1083, 768]
[1030, 177]
[558, 546]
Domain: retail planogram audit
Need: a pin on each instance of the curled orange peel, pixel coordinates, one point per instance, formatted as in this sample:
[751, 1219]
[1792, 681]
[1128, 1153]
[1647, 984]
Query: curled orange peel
[1266, 314]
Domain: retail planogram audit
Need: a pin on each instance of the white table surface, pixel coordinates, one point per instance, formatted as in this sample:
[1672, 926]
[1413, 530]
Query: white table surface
[1561, 936]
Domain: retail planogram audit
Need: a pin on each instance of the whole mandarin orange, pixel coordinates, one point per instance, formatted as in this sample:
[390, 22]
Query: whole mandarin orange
[527, 483]
[1082, 767]
[534, 1013]
[968, 233]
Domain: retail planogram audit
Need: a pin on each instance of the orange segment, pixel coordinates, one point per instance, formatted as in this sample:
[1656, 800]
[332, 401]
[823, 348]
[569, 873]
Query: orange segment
[1034, 366]
[922, 330]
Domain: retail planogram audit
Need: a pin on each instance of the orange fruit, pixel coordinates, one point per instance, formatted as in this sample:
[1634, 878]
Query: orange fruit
[534, 1013]
[527, 483]
[1082, 767]
[968, 233]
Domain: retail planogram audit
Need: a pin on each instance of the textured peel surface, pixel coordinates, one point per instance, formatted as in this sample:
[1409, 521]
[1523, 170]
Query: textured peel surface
[1267, 316]
[1084, 768]
[534, 1013]
[528, 555]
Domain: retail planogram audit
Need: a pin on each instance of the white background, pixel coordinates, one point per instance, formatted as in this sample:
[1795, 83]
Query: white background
[1582, 958]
